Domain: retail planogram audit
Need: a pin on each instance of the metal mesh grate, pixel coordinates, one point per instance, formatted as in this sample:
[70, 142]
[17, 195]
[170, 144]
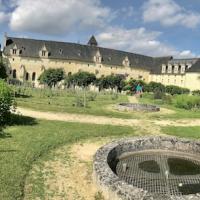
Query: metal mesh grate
[160, 181]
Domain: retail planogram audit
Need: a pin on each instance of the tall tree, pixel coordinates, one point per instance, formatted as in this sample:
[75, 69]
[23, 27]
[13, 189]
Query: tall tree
[51, 77]
[82, 79]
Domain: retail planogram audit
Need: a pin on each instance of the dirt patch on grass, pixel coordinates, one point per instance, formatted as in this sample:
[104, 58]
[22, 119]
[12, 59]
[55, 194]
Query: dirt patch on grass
[143, 118]
[77, 118]
[132, 99]
[67, 175]
[183, 123]
[166, 111]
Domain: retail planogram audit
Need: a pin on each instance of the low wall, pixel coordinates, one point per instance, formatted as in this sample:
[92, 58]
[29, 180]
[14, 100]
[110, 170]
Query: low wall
[107, 156]
[137, 107]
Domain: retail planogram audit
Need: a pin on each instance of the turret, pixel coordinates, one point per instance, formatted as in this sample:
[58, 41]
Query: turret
[92, 41]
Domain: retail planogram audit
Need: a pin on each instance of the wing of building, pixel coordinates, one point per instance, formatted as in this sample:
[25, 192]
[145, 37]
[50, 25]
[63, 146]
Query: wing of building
[28, 58]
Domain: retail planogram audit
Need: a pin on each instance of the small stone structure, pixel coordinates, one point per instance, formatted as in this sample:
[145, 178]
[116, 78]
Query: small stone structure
[113, 187]
[137, 107]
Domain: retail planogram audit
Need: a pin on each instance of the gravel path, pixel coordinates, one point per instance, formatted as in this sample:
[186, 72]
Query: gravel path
[91, 119]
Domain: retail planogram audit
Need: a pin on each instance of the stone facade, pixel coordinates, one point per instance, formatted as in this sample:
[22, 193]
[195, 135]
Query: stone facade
[28, 58]
[21, 66]
[179, 72]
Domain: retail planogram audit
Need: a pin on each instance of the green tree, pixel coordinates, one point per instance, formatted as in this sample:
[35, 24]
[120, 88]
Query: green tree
[3, 74]
[155, 87]
[111, 81]
[82, 79]
[51, 77]
[6, 101]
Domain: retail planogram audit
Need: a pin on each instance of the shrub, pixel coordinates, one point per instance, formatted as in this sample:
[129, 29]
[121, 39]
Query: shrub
[196, 92]
[51, 77]
[187, 102]
[172, 89]
[6, 102]
[158, 94]
[167, 99]
[155, 87]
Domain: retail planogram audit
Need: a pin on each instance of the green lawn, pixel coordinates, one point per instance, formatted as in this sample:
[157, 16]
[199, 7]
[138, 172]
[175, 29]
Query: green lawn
[25, 143]
[62, 101]
[28, 139]
[103, 104]
[178, 113]
[188, 132]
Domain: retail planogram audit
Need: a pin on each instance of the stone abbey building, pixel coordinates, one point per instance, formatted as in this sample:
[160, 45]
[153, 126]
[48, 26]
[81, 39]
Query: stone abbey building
[28, 58]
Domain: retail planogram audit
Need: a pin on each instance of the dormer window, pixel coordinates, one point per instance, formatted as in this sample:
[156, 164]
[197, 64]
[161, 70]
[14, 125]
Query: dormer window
[182, 69]
[163, 68]
[14, 51]
[126, 62]
[43, 53]
[60, 51]
[169, 69]
[176, 69]
[97, 57]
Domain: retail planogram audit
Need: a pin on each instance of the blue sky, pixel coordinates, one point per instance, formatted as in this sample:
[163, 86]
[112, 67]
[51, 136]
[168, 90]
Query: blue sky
[151, 27]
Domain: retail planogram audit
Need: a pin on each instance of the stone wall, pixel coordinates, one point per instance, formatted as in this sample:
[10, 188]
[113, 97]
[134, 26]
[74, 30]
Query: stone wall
[38, 65]
[137, 107]
[106, 157]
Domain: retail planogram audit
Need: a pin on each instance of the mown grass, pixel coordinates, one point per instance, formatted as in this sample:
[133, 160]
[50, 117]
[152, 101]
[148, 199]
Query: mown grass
[102, 105]
[187, 132]
[63, 101]
[178, 113]
[24, 143]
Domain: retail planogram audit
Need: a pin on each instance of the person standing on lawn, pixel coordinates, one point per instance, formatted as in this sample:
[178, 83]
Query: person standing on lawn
[138, 90]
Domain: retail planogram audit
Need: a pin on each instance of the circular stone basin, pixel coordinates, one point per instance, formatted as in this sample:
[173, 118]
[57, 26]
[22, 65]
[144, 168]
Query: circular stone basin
[137, 107]
[156, 168]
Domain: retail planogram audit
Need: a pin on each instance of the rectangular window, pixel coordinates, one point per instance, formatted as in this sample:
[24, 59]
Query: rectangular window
[14, 51]
[43, 53]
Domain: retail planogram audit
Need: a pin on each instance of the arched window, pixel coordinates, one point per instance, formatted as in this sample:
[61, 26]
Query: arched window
[33, 76]
[27, 76]
[69, 74]
[14, 73]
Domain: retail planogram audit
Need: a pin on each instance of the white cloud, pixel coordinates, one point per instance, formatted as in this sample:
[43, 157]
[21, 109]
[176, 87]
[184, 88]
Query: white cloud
[187, 54]
[139, 41]
[58, 16]
[169, 13]
[65, 16]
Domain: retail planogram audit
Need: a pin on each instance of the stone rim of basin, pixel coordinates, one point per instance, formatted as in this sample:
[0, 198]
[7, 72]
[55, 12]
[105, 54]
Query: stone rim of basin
[110, 183]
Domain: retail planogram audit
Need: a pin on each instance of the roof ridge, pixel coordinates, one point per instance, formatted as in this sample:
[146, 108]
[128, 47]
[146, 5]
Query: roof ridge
[86, 45]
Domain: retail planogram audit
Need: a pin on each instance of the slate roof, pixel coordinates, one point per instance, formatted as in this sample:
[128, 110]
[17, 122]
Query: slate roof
[195, 67]
[84, 53]
[183, 61]
[158, 64]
